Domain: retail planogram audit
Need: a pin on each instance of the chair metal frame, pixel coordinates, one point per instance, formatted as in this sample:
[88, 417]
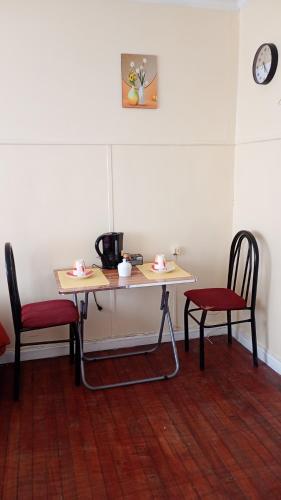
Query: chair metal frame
[74, 345]
[248, 284]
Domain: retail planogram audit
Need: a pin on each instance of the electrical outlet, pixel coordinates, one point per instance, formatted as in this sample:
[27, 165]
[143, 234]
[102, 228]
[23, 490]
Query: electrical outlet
[176, 251]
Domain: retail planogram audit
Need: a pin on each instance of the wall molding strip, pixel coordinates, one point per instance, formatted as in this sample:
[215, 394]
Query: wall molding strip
[258, 141]
[205, 4]
[140, 144]
[121, 144]
[109, 188]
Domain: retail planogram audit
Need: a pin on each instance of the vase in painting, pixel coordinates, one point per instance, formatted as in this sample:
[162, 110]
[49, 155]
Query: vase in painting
[141, 94]
[133, 96]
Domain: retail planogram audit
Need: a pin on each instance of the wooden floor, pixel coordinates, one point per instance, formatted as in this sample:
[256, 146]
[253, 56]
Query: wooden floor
[207, 435]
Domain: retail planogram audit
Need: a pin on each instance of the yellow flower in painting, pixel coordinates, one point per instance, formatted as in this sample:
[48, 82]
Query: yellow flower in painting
[132, 77]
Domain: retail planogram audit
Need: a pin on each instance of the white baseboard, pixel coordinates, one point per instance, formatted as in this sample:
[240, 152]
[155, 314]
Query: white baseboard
[55, 350]
[263, 353]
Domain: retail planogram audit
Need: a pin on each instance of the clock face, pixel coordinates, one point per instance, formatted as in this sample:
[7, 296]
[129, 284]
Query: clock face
[265, 63]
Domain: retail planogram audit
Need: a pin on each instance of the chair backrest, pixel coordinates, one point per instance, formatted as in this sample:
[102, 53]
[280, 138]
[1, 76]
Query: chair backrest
[13, 286]
[244, 266]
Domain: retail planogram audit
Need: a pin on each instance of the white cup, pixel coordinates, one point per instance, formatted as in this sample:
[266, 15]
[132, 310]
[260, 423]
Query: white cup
[80, 267]
[160, 262]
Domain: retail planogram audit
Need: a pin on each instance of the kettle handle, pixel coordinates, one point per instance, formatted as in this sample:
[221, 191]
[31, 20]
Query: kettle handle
[97, 245]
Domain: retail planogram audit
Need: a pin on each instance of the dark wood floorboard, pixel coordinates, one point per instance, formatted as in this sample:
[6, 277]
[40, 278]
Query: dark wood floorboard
[212, 435]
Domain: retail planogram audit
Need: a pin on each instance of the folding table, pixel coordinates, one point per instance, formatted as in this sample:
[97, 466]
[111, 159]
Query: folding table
[105, 279]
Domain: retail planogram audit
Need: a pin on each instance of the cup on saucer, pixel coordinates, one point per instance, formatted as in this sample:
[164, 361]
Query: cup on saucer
[80, 267]
[159, 262]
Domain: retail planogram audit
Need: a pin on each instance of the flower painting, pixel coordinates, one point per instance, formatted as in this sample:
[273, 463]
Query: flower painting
[139, 81]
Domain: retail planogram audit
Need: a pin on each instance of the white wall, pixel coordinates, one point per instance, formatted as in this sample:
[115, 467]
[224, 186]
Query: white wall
[65, 141]
[257, 167]
[61, 78]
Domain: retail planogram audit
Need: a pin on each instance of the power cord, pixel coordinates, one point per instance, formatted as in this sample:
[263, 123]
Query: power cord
[97, 304]
[94, 294]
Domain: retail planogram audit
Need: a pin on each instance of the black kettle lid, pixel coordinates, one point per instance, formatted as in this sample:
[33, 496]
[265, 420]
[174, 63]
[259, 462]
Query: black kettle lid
[112, 233]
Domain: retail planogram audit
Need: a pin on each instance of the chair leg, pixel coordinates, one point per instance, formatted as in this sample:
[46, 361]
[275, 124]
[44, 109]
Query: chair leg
[202, 354]
[77, 354]
[71, 343]
[254, 339]
[229, 329]
[17, 369]
[186, 331]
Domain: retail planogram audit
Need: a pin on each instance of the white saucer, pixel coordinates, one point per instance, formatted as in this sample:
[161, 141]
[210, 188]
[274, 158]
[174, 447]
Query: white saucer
[170, 266]
[73, 274]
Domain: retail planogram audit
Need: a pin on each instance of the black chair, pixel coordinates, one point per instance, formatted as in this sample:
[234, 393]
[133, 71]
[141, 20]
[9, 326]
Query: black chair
[38, 316]
[240, 294]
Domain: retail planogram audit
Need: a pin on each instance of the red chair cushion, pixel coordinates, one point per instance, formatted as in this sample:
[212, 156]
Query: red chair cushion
[4, 339]
[216, 299]
[48, 313]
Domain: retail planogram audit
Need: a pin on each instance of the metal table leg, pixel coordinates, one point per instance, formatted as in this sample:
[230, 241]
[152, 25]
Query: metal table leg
[165, 315]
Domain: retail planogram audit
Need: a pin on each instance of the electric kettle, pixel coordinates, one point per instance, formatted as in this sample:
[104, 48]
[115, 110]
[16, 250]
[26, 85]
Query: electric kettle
[112, 246]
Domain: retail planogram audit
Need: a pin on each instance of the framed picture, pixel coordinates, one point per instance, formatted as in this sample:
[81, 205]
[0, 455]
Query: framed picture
[139, 81]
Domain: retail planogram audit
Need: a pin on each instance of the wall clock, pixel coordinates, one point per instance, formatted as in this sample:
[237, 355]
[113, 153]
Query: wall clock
[265, 63]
